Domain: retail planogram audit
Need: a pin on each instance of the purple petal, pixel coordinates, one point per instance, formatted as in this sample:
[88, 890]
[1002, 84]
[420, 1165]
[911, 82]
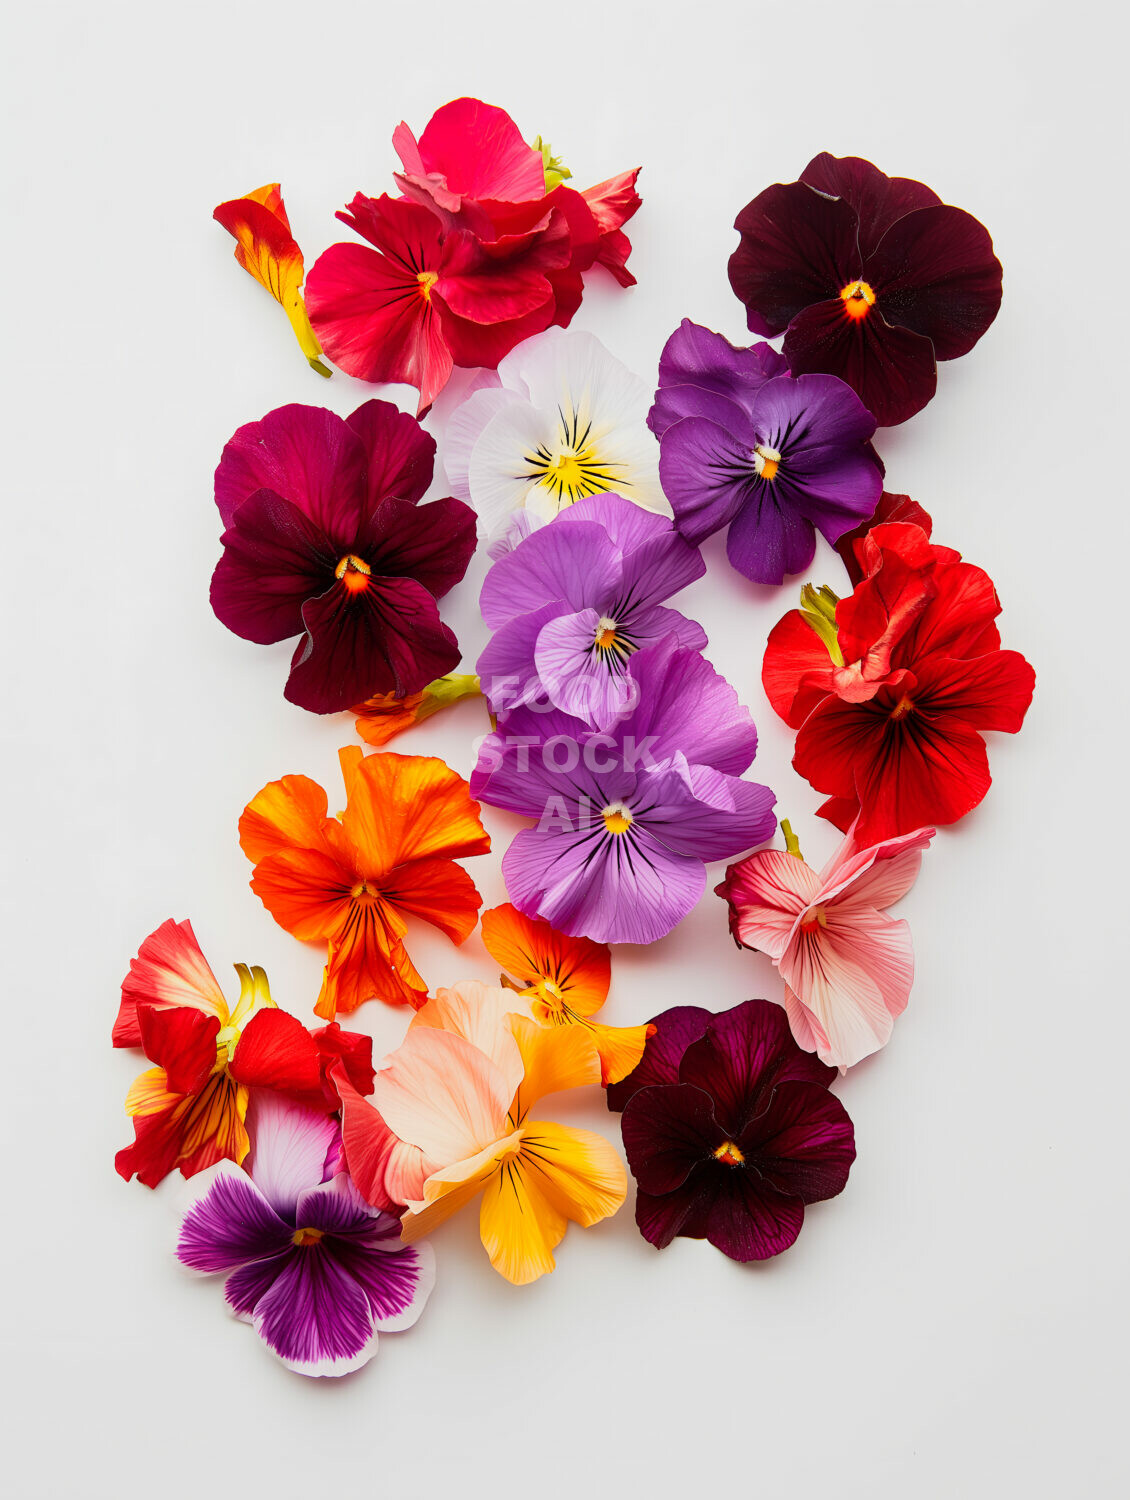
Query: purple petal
[396, 1278]
[315, 1316]
[698, 811]
[399, 454]
[305, 455]
[590, 684]
[667, 1132]
[746, 1052]
[536, 757]
[706, 469]
[653, 571]
[628, 525]
[574, 564]
[698, 364]
[675, 1030]
[768, 540]
[289, 1147]
[232, 1224]
[275, 558]
[656, 625]
[507, 670]
[685, 705]
[247, 1285]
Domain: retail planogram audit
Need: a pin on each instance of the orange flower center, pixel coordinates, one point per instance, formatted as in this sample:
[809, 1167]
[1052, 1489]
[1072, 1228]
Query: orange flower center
[427, 280]
[815, 917]
[354, 572]
[730, 1154]
[766, 462]
[306, 1236]
[858, 299]
[903, 707]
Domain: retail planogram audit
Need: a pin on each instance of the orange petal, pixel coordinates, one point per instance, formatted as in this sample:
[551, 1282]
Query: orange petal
[620, 1048]
[575, 970]
[291, 813]
[306, 892]
[368, 961]
[519, 1225]
[447, 1191]
[267, 250]
[406, 807]
[438, 892]
[578, 1171]
[555, 1058]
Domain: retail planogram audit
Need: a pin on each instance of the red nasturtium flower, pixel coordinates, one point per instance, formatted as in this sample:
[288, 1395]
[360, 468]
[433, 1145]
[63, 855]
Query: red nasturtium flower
[890, 689]
[267, 250]
[350, 881]
[871, 278]
[189, 1109]
[479, 254]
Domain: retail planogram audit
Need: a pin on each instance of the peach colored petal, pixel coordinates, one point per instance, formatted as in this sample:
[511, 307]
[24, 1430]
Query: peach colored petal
[440, 1093]
[477, 1012]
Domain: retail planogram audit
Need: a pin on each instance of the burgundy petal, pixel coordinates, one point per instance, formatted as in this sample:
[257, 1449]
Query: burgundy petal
[661, 1218]
[797, 247]
[891, 369]
[675, 1030]
[386, 638]
[935, 273]
[275, 558]
[667, 1131]
[878, 200]
[307, 455]
[749, 1218]
[804, 1143]
[745, 1054]
[431, 543]
[399, 454]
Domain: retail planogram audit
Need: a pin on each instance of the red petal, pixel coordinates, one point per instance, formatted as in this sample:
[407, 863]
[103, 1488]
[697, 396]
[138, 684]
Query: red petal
[275, 1051]
[399, 454]
[897, 508]
[182, 1041]
[992, 692]
[797, 670]
[366, 1140]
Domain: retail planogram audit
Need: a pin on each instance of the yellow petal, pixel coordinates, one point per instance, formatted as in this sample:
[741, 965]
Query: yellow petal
[519, 1225]
[446, 1192]
[577, 1171]
[555, 1058]
[620, 1048]
[149, 1093]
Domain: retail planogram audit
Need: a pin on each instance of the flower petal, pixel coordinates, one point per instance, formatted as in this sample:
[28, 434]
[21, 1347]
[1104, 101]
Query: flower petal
[578, 1171]
[675, 1030]
[169, 969]
[877, 199]
[668, 1131]
[315, 1317]
[303, 454]
[274, 560]
[232, 1224]
[290, 1145]
[532, 952]
[407, 807]
[399, 454]
[890, 368]
[766, 892]
[805, 1142]
[440, 1093]
[554, 1058]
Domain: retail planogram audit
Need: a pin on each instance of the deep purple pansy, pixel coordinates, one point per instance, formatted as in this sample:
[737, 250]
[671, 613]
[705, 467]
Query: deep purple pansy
[730, 1130]
[628, 816]
[325, 538]
[573, 602]
[315, 1269]
[745, 445]
[869, 277]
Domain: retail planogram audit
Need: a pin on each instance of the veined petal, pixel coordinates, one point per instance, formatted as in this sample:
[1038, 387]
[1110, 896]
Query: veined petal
[520, 1226]
[479, 1014]
[440, 1093]
[407, 807]
[290, 1148]
[553, 1058]
[288, 813]
[766, 893]
[578, 1171]
[533, 953]
[449, 1189]
[232, 1224]
[169, 969]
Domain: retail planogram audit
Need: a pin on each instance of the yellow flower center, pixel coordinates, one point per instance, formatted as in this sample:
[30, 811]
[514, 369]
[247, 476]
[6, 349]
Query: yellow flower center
[306, 1236]
[766, 462]
[354, 572]
[617, 818]
[572, 466]
[730, 1154]
[904, 706]
[226, 1040]
[858, 299]
[427, 280]
[359, 889]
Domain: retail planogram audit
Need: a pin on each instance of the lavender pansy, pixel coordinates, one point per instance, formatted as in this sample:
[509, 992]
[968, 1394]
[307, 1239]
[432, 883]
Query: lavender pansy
[730, 1131]
[315, 1269]
[774, 458]
[573, 602]
[627, 816]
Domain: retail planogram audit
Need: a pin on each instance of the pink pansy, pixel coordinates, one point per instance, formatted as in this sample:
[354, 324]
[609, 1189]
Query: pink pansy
[847, 967]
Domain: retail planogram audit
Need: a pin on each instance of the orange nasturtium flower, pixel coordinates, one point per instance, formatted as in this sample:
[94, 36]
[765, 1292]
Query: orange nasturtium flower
[267, 250]
[351, 880]
[382, 718]
[566, 981]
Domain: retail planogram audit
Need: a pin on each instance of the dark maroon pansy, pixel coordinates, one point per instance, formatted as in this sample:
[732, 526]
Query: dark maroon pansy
[871, 278]
[325, 538]
[730, 1130]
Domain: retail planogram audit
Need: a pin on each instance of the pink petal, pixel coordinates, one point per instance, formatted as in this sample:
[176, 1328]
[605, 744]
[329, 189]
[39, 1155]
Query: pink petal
[876, 877]
[289, 1147]
[767, 892]
[440, 1093]
[477, 1012]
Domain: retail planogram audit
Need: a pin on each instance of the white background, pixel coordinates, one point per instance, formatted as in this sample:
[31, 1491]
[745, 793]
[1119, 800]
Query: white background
[954, 1323]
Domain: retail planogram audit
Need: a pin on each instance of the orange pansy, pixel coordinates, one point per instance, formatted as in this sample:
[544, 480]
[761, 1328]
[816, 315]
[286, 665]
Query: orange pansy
[350, 881]
[267, 250]
[566, 980]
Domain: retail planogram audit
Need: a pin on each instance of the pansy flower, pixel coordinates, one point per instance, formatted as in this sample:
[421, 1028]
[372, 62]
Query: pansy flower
[730, 1131]
[573, 602]
[317, 1271]
[384, 716]
[189, 1110]
[451, 1120]
[565, 979]
[565, 421]
[627, 817]
[847, 966]
[891, 507]
[325, 539]
[891, 689]
[871, 278]
[267, 250]
[481, 252]
[351, 881]
[744, 445]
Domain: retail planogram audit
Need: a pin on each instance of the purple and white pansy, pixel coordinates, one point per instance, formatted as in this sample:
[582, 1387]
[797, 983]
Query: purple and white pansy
[775, 458]
[315, 1269]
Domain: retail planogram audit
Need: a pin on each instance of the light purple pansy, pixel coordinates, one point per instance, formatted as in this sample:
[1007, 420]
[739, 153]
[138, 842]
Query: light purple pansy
[572, 603]
[775, 458]
[627, 816]
[316, 1270]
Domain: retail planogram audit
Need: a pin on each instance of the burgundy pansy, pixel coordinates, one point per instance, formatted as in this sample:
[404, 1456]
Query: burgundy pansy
[871, 278]
[325, 538]
[730, 1130]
